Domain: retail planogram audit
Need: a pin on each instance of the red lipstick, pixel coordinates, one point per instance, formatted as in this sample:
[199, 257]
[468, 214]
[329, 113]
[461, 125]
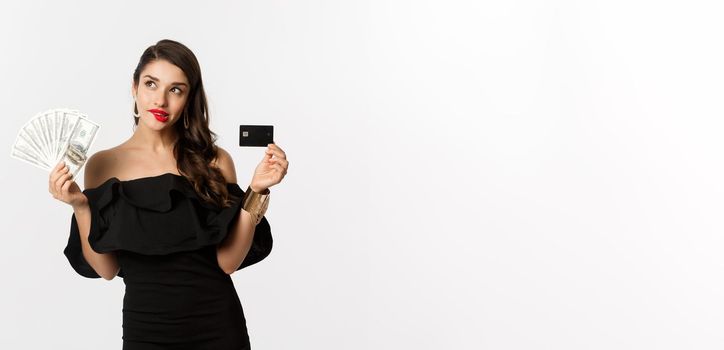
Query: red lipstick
[160, 114]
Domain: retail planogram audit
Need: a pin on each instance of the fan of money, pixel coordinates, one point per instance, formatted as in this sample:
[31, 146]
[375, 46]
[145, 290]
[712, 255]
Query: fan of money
[54, 135]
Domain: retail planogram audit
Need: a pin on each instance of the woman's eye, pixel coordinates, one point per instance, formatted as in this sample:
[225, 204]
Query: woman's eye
[148, 83]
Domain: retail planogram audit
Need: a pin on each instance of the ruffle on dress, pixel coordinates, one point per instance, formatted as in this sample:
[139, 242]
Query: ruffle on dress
[158, 215]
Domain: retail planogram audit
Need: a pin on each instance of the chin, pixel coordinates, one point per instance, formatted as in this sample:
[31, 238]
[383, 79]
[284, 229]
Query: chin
[154, 124]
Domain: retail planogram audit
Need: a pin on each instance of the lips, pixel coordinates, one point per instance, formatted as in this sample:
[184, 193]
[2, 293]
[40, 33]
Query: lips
[160, 114]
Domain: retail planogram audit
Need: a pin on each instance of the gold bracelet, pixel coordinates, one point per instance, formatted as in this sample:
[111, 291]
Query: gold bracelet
[255, 203]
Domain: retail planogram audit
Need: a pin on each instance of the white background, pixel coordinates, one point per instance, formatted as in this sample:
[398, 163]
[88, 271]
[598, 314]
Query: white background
[463, 174]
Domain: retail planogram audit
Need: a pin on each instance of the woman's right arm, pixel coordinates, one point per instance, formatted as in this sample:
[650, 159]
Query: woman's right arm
[65, 189]
[105, 264]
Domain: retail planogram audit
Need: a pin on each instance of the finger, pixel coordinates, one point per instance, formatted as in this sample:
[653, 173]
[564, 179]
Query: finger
[280, 168]
[58, 175]
[277, 153]
[55, 176]
[59, 165]
[55, 170]
[65, 187]
[59, 183]
[276, 146]
[283, 162]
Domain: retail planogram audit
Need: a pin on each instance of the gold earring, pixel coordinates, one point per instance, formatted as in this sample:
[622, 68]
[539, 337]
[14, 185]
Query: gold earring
[135, 107]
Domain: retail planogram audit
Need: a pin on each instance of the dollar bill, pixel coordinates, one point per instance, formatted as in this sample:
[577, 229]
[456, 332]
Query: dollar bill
[33, 137]
[26, 144]
[22, 150]
[69, 121]
[57, 123]
[17, 154]
[42, 129]
[79, 142]
[59, 134]
[47, 120]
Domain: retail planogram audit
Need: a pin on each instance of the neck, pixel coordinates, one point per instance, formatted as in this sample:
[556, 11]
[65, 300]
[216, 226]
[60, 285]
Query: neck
[157, 141]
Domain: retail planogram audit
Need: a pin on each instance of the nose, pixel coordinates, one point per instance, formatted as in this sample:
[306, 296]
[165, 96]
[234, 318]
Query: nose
[161, 99]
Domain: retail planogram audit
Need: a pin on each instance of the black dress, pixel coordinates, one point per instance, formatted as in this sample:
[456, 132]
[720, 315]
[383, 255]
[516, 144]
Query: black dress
[165, 237]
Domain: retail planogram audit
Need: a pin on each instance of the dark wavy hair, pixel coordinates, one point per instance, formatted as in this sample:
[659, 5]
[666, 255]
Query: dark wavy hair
[195, 148]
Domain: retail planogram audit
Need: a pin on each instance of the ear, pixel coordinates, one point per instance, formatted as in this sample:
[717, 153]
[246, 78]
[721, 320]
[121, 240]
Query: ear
[134, 92]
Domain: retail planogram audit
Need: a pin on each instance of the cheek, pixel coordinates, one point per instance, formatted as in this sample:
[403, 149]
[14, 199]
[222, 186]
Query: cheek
[179, 104]
[144, 97]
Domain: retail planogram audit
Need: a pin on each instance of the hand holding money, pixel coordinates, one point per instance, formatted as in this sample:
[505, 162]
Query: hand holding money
[63, 187]
[55, 135]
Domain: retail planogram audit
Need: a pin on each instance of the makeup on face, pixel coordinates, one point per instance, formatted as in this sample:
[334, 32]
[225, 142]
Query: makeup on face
[173, 95]
[160, 114]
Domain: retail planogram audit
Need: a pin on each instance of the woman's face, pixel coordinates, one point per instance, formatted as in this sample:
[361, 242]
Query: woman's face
[161, 94]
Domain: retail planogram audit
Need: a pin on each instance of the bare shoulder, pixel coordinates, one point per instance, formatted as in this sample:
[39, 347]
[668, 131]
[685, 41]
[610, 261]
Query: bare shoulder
[98, 167]
[225, 163]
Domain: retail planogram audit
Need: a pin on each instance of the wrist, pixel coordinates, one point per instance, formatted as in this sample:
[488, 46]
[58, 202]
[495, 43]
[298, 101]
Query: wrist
[253, 218]
[255, 202]
[258, 190]
[82, 205]
[81, 208]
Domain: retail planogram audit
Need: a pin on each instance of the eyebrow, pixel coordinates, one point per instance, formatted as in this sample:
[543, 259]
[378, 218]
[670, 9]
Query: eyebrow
[174, 83]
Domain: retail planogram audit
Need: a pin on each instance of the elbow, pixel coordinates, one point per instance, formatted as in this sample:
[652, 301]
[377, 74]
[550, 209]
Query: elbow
[228, 270]
[110, 274]
[226, 263]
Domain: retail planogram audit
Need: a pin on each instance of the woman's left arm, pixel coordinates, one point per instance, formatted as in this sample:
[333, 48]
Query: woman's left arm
[231, 252]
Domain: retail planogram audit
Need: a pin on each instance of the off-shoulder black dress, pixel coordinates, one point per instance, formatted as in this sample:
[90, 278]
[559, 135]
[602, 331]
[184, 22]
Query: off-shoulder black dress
[165, 237]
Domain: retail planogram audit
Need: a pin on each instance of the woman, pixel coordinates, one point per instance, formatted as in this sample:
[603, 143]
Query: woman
[163, 211]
